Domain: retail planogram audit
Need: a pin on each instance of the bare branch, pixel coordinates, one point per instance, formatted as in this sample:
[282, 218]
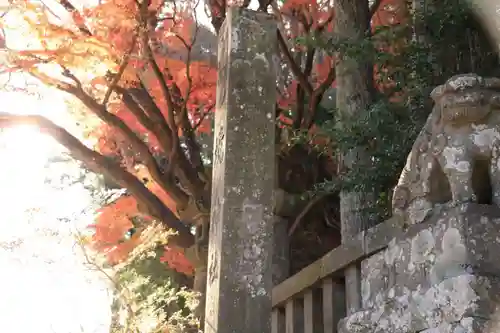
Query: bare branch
[203, 116]
[184, 170]
[293, 65]
[50, 81]
[375, 7]
[75, 14]
[116, 122]
[100, 164]
[163, 85]
[118, 75]
[317, 96]
[218, 13]
[174, 101]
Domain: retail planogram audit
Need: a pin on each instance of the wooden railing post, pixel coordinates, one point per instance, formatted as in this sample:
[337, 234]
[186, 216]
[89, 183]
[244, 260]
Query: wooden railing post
[313, 311]
[353, 288]
[313, 300]
[334, 305]
[294, 316]
[278, 321]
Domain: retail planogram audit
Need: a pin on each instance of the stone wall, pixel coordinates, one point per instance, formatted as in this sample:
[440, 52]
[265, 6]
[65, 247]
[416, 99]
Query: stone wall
[442, 275]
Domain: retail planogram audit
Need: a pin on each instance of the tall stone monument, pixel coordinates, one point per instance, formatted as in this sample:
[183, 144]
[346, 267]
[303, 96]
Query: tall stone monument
[443, 275]
[239, 282]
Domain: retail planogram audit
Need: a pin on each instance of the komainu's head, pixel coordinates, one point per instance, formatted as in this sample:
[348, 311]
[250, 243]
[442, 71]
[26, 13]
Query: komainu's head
[466, 98]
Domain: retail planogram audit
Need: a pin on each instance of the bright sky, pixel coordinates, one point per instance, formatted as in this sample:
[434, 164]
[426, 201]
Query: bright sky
[45, 285]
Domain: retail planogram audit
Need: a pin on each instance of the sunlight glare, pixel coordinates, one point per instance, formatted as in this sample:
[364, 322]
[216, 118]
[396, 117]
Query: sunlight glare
[22, 139]
[23, 152]
[46, 280]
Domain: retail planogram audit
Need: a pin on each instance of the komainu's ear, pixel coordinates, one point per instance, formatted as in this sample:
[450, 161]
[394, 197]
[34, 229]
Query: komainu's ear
[437, 93]
[492, 83]
[495, 100]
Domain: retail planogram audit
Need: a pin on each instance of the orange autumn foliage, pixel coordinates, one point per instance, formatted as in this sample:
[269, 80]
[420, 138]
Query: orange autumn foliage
[174, 258]
[202, 84]
[311, 12]
[114, 25]
[196, 80]
[112, 223]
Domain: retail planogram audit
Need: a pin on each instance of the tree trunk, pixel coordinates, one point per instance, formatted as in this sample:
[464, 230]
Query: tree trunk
[354, 94]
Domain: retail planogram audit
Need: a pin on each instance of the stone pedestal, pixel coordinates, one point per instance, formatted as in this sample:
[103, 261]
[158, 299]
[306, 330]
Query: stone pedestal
[441, 276]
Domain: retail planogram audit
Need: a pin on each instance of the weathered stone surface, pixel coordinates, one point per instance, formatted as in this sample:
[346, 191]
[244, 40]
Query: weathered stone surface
[437, 306]
[456, 155]
[467, 325]
[436, 274]
[239, 282]
[281, 250]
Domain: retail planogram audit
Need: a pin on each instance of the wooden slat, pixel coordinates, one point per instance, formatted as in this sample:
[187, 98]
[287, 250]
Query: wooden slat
[299, 316]
[309, 312]
[353, 288]
[275, 321]
[333, 263]
[333, 304]
[290, 316]
[294, 316]
[278, 321]
[328, 319]
[313, 316]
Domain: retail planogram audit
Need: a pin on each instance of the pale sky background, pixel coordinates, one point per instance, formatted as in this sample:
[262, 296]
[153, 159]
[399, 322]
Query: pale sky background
[45, 286]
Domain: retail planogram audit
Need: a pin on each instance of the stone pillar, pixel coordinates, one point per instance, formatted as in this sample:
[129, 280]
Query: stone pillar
[353, 96]
[239, 281]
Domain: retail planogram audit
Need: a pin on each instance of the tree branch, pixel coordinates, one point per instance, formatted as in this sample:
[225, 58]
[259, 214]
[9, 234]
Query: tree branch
[118, 75]
[296, 70]
[146, 117]
[317, 96]
[76, 16]
[375, 7]
[218, 12]
[187, 127]
[133, 102]
[304, 212]
[163, 86]
[100, 164]
[192, 181]
[142, 97]
[117, 123]
[162, 136]
[203, 116]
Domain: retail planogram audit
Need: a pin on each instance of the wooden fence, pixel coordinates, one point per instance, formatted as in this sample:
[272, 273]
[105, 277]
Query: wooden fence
[313, 300]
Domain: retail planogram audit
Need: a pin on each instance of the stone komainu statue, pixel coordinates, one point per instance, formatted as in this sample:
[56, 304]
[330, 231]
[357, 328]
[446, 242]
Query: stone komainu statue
[456, 156]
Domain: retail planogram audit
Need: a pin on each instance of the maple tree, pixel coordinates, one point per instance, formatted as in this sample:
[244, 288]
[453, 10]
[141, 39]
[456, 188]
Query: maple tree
[137, 66]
